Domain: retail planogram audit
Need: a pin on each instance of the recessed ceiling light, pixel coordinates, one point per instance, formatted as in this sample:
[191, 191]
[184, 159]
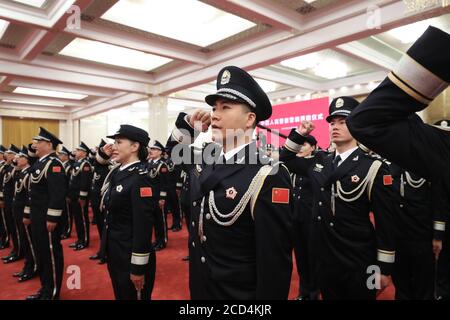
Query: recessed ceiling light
[331, 69]
[303, 62]
[185, 20]
[409, 33]
[344, 89]
[266, 85]
[357, 86]
[49, 93]
[33, 3]
[114, 55]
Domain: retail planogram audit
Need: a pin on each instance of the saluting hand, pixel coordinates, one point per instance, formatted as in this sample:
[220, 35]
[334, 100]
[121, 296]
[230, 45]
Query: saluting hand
[138, 281]
[107, 149]
[200, 120]
[305, 128]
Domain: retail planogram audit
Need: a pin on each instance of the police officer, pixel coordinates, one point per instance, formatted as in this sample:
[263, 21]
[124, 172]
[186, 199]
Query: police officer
[240, 241]
[66, 217]
[386, 121]
[48, 188]
[130, 200]
[348, 185]
[184, 196]
[157, 165]
[303, 222]
[79, 186]
[21, 184]
[418, 229]
[101, 166]
[4, 234]
[7, 200]
[173, 201]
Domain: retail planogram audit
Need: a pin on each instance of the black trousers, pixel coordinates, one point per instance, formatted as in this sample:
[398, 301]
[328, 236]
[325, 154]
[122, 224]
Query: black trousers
[11, 227]
[413, 274]
[443, 268]
[337, 283]
[30, 265]
[4, 232]
[98, 214]
[49, 254]
[81, 218]
[119, 271]
[161, 235]
[304, 258]
[66, 221]
[173, 205]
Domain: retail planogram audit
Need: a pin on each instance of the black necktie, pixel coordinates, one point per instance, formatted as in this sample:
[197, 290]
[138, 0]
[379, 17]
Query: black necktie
[336, 162]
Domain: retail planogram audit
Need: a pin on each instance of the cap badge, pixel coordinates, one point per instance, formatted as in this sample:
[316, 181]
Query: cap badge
[339, 103]
[226, 76]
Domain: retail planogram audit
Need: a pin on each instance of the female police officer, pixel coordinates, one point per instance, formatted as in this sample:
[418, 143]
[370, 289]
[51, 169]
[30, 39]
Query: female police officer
[128, 198]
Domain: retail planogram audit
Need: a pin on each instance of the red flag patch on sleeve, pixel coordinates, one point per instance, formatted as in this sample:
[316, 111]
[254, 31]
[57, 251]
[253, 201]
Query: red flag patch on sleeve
[280, 195]
[387, 180]
[56, 169]
[146, 192]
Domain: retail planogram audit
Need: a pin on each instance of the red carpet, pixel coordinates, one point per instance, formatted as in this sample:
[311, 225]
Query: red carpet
[171, 274]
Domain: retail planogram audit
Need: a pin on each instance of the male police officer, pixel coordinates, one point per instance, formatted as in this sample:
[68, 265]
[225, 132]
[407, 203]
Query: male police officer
[4, 236]
[386, 121]
[79, 186]
[47, 194]
[6, 199]
[21, 194]
[303, 223]
[241, 207]
[158, 167]
[101, 170]
[347, 185]
[66, 217]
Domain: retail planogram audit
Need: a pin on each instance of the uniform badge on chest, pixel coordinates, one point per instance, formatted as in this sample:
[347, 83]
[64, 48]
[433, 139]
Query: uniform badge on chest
[230, 193]
[355, 179]
[318, 167]
[38, 171]
[119, 188]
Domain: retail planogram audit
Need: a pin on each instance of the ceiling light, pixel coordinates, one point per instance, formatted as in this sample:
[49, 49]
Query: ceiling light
[303, 62]
[371, 85]
[357, 87]
[409, 33]
[332, 91]
[3, 26]
[185, 20]
[266, 85]
[48, 93]
[114, 55]
[33, 3]
[331, 69]
[344, 89]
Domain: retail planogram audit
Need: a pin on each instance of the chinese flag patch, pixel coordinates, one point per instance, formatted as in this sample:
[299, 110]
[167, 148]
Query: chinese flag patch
[146, 192]
[387, 180]
[56, 169]
[280, 195]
